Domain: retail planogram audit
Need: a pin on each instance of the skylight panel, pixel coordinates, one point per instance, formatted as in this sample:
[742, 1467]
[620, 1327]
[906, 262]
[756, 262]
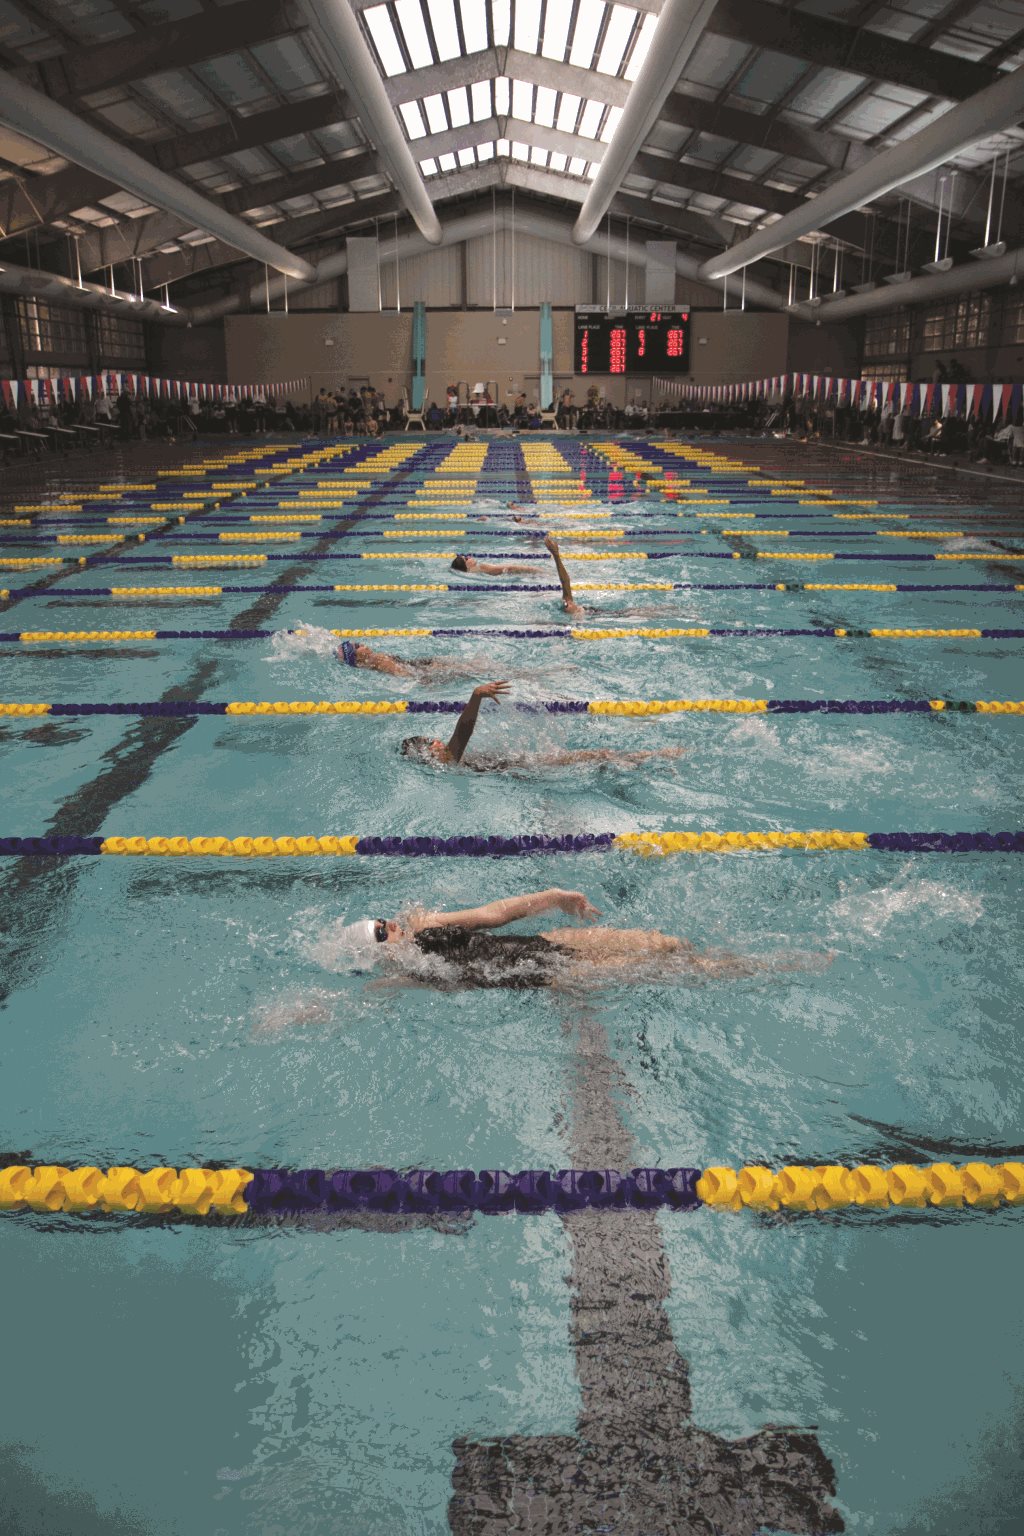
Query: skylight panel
[503, 148]
[410, 19]
[584, 39]
[501, 96]
[556, 29]
[577, 166]
[446, 33]
[428, 167]
[538, 156]
[640, 48]
[620, 25]
[558, 160]
[500, 21]
[610, 124]
[544, 110]
[412, 117]
[590, 122]
[378, 24]
[480, 94]
[446, 162]
[520, 151]
[458, 106]
[592, 170]
[467, 157]
[433, 106]
[474, 25]
[527, 32]
[568, 112]
[522, 100]
[485, 151]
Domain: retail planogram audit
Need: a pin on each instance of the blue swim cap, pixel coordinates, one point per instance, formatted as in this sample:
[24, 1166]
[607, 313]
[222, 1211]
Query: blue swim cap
[347, 652]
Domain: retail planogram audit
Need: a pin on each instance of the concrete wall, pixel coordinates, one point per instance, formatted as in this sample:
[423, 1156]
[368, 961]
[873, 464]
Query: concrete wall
[464, 346]
[172, 352]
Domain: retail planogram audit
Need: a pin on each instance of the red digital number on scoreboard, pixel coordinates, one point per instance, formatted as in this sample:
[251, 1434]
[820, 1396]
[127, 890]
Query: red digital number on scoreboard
[674, 342]
[641, 341]
[617, 350]
[585, 353]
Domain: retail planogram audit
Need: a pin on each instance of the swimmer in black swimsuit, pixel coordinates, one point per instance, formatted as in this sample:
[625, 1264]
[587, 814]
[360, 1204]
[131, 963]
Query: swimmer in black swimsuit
[470, 564]
[482, 959]
[433, 750]
[351, 654]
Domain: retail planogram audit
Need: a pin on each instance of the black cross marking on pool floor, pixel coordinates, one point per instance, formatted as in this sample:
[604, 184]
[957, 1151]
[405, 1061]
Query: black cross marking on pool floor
[637, 1465]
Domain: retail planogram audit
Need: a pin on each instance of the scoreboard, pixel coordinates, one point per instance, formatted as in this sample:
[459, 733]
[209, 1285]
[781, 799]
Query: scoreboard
[635, 339]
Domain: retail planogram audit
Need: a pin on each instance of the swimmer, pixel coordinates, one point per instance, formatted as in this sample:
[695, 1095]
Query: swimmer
[569, 603]
[435, 751]
[486, 568]
[352, 654]
[546, 959]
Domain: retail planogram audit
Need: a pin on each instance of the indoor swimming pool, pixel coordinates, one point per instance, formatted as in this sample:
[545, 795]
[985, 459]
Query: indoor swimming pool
[824, 638]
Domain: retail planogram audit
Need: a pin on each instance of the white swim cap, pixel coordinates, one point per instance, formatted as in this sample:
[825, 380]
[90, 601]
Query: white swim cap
[357, 942]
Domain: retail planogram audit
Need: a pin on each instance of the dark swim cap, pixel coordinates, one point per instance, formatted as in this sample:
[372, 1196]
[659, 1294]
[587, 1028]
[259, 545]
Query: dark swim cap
[415, 746]
[459, 563]
[347, 653]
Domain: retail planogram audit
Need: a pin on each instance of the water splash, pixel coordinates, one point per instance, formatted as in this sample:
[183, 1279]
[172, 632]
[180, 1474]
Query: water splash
[304, 640]
[872, 911]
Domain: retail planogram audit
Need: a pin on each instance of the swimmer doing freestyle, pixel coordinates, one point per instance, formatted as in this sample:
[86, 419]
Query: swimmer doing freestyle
[433, 750]
[551, 958]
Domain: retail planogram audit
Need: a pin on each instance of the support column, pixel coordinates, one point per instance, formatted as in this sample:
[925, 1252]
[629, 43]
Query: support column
[546, 388]
[419, 355]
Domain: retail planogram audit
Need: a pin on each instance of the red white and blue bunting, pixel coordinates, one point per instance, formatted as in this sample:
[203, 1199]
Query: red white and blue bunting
[983, 400]
[70, 387]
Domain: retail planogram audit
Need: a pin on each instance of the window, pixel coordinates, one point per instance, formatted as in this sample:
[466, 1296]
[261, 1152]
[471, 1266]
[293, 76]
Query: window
[52, 332]
[886, 336]
[120, 339]
[962, 322]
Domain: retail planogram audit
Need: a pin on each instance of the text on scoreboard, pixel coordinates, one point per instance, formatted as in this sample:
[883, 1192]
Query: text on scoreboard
[639, 338]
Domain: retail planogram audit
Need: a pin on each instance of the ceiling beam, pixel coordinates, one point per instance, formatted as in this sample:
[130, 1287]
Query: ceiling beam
[249, 132]
[417, 83]
[733, 189]
[193, 261]
[493, 128]
[853, 49]
[706, 228]
[40, 200]
[172, 45]
[140, 237]
[760, 131]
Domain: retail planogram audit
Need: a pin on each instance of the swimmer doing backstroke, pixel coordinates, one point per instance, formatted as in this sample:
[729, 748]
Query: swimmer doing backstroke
[433, 750]
[480, 958]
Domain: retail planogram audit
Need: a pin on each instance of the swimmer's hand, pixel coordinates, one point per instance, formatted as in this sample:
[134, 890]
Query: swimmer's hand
[490, 690]
[551, 543]
[575, 904]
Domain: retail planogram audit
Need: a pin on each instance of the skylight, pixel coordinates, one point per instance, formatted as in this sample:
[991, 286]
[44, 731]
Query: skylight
[584, 40]
[568, 112]
[527, 34]
[481, 95]
[620, 25]
[458, 106]
[640, 48]
[410, 19]
[444, 28]
[544, 111]
[433, 106]
[556, 29]
[474, 25]
[412, 117]
[522, 101]
[378, 23]
[591, 119]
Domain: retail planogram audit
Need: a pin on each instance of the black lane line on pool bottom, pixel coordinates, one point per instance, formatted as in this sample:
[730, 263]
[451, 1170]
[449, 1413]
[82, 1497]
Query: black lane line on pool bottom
[637, 1463]
[37, 893]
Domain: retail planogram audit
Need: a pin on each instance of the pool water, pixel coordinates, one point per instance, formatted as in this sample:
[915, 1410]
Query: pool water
[316, 1378]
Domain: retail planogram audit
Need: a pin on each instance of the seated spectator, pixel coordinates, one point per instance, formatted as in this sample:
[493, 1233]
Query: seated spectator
[434, 419]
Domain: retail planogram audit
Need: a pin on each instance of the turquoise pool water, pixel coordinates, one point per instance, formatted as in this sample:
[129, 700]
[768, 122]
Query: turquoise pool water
[170, 1378]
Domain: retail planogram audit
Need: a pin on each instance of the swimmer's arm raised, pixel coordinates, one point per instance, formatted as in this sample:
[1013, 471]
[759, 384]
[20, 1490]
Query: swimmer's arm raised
[510, 909]
[467, 720]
